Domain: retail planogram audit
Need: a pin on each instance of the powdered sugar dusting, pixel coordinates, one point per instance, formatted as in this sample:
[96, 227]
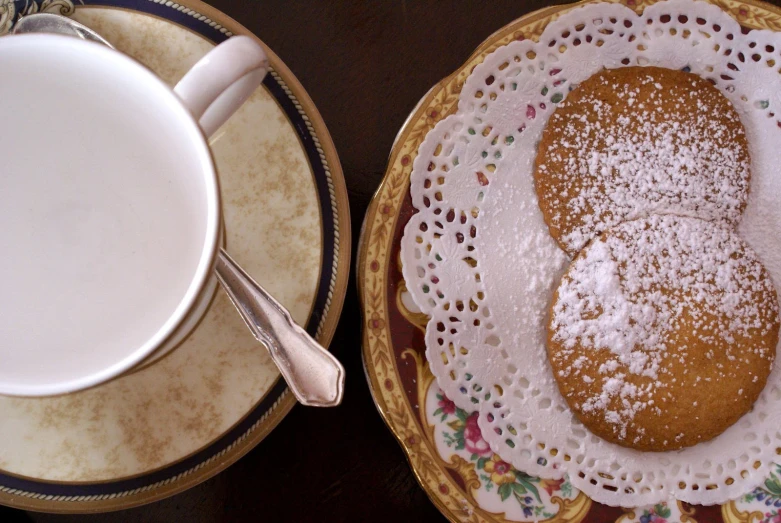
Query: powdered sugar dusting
[623, 146]
[503, 106]
[651, 300]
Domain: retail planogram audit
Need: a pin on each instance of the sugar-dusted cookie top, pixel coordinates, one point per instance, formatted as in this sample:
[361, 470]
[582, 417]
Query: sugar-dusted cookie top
[635, 141]
[663, 332]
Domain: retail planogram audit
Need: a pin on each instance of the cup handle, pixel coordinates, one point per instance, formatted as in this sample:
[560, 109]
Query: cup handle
[222, 81]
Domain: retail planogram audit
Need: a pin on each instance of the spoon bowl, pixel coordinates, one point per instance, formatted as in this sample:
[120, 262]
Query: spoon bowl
[58, 24]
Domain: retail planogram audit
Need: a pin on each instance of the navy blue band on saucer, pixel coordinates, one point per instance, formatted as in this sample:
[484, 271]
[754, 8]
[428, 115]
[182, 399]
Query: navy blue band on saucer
[215, 33]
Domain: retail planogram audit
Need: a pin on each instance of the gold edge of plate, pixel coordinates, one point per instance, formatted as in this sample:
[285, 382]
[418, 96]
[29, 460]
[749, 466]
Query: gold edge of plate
[326, 329]
[494, 41]
[435, 499]
[369, 371]
[374, 386]
[363, 245]
[372, 378]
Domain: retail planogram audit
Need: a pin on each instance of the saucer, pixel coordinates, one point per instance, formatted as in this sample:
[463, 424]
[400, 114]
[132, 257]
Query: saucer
[190, 413]
[445, 448]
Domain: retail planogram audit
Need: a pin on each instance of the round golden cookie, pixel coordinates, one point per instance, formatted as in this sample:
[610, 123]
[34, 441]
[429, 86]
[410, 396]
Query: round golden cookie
[663, 332]
[636, 141]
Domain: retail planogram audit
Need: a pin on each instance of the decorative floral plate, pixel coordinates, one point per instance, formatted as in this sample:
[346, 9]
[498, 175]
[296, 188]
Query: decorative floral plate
[451, 460]
[186, 416]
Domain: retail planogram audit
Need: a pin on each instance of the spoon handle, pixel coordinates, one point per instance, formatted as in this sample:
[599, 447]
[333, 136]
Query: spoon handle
[314, 375]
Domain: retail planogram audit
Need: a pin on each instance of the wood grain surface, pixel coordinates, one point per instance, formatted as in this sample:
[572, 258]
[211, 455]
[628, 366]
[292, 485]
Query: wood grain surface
[365, 65]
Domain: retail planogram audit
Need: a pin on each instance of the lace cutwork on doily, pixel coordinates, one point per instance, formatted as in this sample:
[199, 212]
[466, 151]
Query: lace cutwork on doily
[478, 258]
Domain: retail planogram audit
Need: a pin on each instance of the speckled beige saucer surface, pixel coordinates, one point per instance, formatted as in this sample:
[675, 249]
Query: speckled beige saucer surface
[188, 415]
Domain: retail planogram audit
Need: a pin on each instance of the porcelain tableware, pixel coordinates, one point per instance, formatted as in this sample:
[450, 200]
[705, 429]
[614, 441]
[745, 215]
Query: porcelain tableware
[112, 232]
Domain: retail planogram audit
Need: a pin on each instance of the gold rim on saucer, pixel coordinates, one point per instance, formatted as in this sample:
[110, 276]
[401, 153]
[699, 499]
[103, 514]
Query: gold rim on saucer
[50, 460]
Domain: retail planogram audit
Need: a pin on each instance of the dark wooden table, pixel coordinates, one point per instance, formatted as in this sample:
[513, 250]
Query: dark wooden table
[365, 65]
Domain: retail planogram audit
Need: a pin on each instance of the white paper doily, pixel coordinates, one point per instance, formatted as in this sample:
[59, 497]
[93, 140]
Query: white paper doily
[478, 258]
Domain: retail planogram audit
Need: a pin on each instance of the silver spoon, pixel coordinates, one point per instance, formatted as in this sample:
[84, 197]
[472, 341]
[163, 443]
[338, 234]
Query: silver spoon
[313, 374]
[51, 23]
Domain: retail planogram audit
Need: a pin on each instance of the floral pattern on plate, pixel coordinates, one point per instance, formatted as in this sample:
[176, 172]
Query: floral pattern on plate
[499, 485]
[763, 504]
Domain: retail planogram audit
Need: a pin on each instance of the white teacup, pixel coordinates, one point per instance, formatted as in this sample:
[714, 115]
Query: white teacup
[109, 204]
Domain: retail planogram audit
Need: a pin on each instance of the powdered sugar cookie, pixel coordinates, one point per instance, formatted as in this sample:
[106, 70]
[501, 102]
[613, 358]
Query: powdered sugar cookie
[636, 141]
[663, 332]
